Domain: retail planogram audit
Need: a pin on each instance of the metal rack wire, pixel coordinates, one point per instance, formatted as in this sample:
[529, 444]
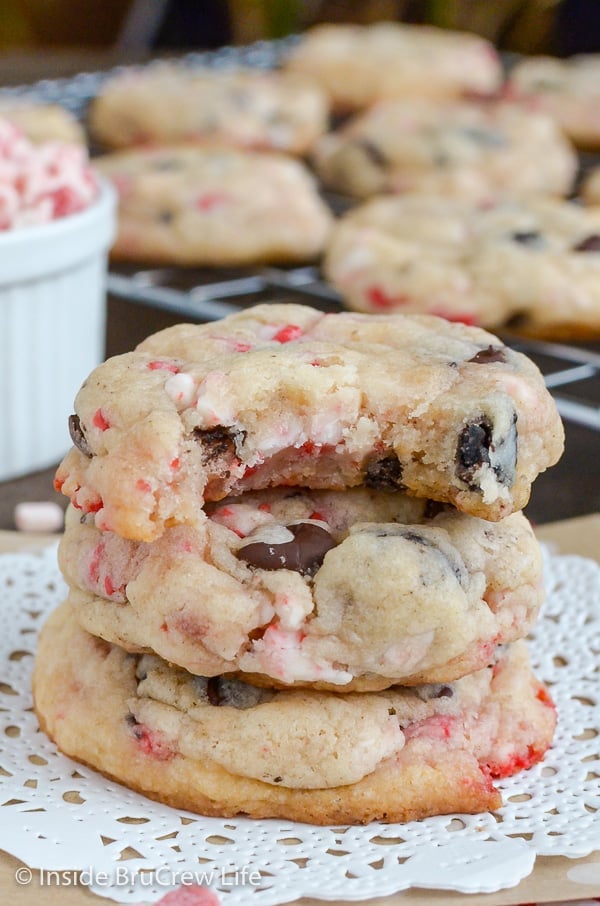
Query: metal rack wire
[571, 372]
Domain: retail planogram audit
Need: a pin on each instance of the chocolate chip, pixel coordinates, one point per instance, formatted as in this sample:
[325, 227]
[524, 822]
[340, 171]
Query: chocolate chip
[78, 437]
[491, 354]
[213, 691]
[372, 152]
[303, 553]
[487, 138]
[531, 238]
[131, 719]
[384, 474]
[217, 442]
[478, 446]
[166, 217]
[589, 244]
[473, 449]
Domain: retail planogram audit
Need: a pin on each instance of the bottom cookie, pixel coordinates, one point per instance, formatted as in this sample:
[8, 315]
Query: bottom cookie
[221, 747]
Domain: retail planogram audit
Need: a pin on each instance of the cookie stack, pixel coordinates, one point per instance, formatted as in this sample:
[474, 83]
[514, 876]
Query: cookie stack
[298, 570]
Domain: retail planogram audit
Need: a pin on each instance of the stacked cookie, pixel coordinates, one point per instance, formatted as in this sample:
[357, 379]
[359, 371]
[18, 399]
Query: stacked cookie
[299, 574]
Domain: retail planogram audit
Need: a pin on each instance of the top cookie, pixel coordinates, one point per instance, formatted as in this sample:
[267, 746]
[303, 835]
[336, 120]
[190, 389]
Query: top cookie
[358, 65]
[285, 395]
[245, 108]
[474, 151]
[568, 90]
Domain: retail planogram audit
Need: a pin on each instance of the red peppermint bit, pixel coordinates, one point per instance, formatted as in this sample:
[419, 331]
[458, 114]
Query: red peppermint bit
[58, 484]
[65, 201]
[211, 200]
[143, 486]
[436, 727]
[164, 366]
[153, 743]
[456, 316]
[317, 515]
[94, 506]
[544, 696]
[288, 333]
[94, 566]
[265, 507]
[99, 420]
[516, 762]
[190, 895]
[164, 627]
[110, 588]
[242, 347]
[174, 464]
[308, 447]
[316, 364]
[378, 298]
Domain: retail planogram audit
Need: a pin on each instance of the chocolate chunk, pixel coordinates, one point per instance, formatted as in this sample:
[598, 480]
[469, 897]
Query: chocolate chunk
[384, 474]
[372, 152]
[217, 442]
[487, 138]
[166, 217]
[532, 239]
[304, 553]
[78, 437]
[473, 449]
[213, 691]
[491, 354]
[589, 244]
[478, 445]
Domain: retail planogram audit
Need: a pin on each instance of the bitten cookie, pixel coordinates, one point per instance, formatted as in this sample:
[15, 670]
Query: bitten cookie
[479, 152]
[287, 395]
[568, 90]
[347, 590]
[221, 747]
[166, 104]
[359, 65]
[214, 207]
[533, 265]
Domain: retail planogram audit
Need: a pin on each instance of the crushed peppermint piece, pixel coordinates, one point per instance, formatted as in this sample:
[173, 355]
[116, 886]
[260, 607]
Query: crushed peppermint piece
[44, 182]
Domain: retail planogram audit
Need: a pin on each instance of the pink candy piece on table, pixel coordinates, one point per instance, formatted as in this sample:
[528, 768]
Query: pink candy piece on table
[191, 895]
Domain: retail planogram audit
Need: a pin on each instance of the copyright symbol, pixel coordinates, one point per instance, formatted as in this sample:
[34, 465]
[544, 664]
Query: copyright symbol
[23, 875]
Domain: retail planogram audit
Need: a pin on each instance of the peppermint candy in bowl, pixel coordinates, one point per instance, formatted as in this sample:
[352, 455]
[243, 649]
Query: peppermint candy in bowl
[56, 225]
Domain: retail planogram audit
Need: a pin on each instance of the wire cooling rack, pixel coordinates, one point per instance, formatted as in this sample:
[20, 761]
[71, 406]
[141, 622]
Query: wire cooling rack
[572, 372]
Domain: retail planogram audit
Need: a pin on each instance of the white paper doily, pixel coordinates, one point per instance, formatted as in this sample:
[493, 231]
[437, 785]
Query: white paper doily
[60, 816]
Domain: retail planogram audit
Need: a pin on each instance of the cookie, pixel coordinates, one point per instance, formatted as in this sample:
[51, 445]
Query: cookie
[358, 65]
[214, 207]
[43, 122]
[533, 265]
[248, 108]
[221, 747]
[568, 90]
[590, 189]
[286, 395]
[479, 152]
[346, 590]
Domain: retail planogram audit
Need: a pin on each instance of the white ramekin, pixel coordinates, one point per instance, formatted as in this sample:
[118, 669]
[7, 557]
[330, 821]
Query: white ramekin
[52, 329]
